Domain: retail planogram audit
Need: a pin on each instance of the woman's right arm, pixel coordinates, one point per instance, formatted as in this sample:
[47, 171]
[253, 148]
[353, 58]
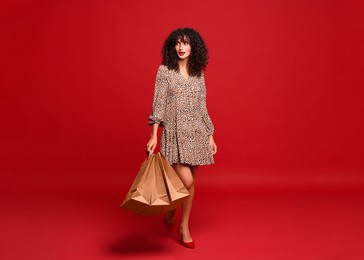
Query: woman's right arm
[156, 118]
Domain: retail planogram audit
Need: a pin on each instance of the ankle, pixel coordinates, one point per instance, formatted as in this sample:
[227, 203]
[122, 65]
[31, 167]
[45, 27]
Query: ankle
[183, 227]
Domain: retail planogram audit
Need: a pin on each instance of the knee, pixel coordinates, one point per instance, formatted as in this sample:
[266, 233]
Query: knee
[185, 174]
[189, 184]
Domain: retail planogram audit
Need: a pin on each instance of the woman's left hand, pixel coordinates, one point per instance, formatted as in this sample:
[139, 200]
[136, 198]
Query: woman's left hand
[212, 144]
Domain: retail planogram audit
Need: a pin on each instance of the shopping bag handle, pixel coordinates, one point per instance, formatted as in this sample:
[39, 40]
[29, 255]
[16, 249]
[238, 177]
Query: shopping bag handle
[149, 154]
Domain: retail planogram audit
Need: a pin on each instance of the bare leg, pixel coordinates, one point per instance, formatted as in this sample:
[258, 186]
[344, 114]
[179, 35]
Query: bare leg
[170, 216]
[186, 174]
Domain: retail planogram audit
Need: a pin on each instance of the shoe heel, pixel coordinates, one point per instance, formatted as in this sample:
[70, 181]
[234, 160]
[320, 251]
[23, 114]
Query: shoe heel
[190, 245]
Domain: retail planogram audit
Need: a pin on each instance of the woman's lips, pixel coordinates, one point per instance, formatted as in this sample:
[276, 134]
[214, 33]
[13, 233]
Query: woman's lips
[181, 53]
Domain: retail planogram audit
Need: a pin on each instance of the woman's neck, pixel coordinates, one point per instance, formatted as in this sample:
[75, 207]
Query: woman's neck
[183, 68]
[183, 64]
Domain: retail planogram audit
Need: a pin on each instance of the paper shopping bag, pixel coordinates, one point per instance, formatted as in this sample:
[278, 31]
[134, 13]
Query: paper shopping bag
[148, 194]
[176, 190]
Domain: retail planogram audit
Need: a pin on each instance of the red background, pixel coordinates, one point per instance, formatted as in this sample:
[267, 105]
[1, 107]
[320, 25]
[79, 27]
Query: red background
[284, 83]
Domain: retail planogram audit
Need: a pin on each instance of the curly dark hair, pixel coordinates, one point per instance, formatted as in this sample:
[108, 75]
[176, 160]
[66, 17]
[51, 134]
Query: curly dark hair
[199, 53]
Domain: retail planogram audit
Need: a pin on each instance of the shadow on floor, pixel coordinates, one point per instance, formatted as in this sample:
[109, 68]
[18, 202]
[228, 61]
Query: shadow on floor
[139, 244]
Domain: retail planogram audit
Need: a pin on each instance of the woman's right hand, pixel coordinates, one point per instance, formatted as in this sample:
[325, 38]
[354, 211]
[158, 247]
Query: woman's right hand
[151, 145]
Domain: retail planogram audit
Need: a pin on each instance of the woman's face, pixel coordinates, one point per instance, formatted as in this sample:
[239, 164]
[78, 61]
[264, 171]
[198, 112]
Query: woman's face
[183, 49]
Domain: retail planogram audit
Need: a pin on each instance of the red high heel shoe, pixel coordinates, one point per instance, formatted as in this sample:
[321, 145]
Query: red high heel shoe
[168, 225]
[190, 245]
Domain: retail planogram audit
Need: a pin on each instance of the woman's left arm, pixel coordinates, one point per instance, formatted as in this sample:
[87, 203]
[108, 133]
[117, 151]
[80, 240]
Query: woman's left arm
[205, 116]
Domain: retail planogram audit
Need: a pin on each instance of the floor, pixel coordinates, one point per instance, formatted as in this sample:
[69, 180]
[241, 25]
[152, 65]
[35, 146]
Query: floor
[71, 219]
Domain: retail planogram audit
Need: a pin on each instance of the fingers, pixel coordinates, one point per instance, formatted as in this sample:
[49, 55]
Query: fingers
[150, 148]
[149, 153]
[213, 147]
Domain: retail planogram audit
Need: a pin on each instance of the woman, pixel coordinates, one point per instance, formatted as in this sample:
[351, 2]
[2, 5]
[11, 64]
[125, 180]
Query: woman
[179, 106]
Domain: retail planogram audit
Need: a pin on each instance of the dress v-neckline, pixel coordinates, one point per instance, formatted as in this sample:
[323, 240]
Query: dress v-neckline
[184, 76]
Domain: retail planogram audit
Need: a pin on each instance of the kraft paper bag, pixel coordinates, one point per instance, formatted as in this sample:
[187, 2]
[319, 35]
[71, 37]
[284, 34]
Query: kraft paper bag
[156, 188]
[176, 190]
[148, 194]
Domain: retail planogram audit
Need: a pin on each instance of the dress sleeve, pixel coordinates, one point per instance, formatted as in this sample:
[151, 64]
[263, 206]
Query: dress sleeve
[160, 98]
[205, 115]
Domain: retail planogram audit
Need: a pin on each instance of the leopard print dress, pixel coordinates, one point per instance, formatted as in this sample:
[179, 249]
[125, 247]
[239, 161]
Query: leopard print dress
[179, 106]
